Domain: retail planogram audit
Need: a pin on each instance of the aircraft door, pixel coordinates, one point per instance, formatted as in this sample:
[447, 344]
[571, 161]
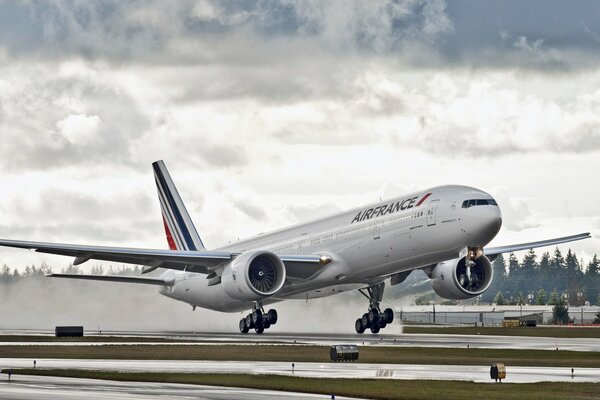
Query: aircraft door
[431, 212]
[377, 230]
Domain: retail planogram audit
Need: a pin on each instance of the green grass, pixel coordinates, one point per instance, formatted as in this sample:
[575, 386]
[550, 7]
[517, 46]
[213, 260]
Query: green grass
[301, 353]
[557, 332]
[363, 388]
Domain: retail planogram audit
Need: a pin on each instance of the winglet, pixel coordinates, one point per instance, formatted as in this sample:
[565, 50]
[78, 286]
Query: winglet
[179, 228]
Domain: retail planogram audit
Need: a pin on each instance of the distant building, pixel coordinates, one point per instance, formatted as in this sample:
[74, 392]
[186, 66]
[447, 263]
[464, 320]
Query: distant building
[489, 314]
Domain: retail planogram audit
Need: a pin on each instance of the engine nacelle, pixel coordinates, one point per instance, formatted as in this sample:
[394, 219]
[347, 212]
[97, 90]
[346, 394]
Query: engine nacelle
[451, 280]
[253, 276]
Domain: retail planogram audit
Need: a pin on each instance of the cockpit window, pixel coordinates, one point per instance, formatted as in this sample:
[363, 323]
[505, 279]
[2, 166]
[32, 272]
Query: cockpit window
[479, 202]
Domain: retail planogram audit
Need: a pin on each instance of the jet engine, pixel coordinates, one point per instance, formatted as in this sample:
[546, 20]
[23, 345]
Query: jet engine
[253, 276]
[456, 280]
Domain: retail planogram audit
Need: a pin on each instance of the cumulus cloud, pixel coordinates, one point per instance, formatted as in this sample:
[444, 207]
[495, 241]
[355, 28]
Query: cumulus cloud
[271, 112]
[79, 128]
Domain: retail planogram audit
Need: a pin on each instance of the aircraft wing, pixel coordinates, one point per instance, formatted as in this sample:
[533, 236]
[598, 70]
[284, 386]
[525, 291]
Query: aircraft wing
[493, 252]
[116, 278]
[193, 261]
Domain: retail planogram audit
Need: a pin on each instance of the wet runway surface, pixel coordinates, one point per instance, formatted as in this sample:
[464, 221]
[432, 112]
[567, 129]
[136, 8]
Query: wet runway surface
[55, 388]
[321, 370]
[407, 340]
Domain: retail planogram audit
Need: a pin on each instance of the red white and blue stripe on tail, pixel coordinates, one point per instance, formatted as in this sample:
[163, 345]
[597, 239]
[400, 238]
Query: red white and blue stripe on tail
[179, 228]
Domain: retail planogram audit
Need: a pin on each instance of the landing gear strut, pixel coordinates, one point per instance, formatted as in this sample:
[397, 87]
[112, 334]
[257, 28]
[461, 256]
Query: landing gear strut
[374, 319]
[258, 320]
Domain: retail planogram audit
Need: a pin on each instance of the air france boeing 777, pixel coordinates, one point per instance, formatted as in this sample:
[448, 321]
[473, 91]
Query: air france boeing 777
[442, 230]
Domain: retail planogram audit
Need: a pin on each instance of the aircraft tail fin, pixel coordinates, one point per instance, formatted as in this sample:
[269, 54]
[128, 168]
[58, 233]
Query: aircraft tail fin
[179, 228]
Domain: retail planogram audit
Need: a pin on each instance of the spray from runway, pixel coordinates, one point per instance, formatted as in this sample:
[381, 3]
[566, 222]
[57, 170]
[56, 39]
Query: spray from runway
[36, 302]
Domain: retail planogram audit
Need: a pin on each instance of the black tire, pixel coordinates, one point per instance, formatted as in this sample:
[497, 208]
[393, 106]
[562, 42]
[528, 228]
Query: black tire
[382, 323]
[259, 329]
[365, 321]
[257, 317]
[272, 316]
[374, 329]
[373, 316]
[266, 324]
[243, 327]
[389, 315]
[358, 325]
[249, 322]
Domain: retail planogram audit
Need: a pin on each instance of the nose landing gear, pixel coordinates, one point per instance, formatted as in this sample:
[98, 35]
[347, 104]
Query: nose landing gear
[258, 320]
[374, 319]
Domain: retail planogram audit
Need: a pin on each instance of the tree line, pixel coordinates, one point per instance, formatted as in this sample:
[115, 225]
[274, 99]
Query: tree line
[552, 279]
[10, 275]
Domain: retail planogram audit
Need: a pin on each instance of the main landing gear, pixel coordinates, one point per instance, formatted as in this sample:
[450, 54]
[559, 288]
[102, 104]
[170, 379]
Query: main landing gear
[374, 319]
[258, 320]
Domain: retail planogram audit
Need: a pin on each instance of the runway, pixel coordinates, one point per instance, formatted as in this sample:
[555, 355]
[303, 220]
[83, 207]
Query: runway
[55, 388]
[476, 373]
[406, 340]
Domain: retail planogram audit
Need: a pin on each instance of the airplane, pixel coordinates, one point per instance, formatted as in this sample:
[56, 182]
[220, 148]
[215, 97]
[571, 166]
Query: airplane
[443, 231]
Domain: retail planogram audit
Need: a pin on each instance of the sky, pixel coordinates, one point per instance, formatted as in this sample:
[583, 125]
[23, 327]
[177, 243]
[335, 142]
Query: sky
[268, 113]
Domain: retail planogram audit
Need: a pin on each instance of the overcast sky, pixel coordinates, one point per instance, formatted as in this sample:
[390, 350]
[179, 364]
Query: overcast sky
[268, 113]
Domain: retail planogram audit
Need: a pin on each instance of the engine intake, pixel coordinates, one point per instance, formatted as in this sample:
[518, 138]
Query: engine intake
[454, 280]
[254, 276]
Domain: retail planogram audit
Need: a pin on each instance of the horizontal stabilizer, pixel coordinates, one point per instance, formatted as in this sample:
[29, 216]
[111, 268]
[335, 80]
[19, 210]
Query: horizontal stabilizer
[116, 278]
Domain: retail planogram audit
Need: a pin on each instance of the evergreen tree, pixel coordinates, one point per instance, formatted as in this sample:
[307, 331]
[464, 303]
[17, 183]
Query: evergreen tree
[541, 297]
[5, 274]
[499, 299]
[592, 279]
[557, 270]
[545, 272]
[554, 297]
[514, 278]
[560, 313]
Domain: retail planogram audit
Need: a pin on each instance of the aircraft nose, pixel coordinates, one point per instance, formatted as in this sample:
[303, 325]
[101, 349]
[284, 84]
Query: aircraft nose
[485, 223]
[490, 222]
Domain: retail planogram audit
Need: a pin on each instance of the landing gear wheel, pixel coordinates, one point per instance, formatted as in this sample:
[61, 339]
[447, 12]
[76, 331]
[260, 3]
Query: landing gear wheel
[259, 329]
[389, 315]
[272, 316]
[365, 321]
[374, 329]
[266, 324]
[243, 327]
[257, 317]
[382, 324]
[373, 316]
[249, 322]
[358, 325]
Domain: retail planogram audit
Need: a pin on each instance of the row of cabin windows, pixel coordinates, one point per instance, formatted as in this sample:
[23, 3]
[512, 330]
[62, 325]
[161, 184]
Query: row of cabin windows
[331, 236]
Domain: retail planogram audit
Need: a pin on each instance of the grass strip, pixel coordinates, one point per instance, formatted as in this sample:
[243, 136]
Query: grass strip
[388, 389]
[556, 332]
[291, 353]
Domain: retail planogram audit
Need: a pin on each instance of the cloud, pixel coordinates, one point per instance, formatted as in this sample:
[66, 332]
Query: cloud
[79, 128]
[269, 112]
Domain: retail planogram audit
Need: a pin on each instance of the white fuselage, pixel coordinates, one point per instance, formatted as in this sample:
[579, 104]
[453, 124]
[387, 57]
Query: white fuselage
[366, 245]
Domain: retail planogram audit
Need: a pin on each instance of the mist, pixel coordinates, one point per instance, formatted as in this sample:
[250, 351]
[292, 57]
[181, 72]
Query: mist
[37, 302]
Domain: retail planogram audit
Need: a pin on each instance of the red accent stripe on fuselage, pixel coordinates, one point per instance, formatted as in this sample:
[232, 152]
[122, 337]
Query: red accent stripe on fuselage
[423, 199]
[170, 240]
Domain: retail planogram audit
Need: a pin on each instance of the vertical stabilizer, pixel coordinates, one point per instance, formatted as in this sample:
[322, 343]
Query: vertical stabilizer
[179, 228]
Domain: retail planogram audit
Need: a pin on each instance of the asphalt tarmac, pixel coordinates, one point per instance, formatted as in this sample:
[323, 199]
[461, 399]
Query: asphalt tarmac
[56, 388]
[407, 340]
[474, 373]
